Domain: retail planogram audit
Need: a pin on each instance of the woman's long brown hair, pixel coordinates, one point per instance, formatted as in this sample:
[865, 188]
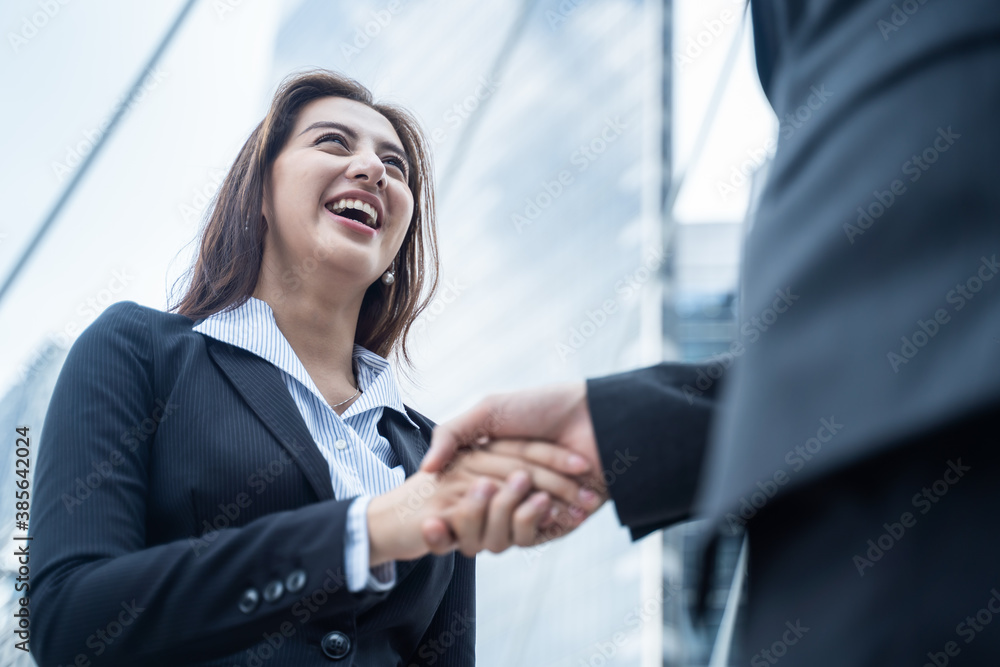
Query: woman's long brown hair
[226, 270]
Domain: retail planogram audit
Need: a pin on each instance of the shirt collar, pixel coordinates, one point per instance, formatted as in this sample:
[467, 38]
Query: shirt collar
[252, 327]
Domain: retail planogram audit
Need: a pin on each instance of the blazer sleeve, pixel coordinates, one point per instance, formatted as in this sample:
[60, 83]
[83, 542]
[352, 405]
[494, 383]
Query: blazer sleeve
[652, 428]
[450, 640]
[99, 589]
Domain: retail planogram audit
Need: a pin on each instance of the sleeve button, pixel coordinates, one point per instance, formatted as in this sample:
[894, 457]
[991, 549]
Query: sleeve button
[249, 600]
[296, 581]
[273, 591]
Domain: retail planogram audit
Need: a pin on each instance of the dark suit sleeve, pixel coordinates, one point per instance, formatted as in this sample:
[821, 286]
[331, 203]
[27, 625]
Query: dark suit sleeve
[97, 588]
[652, 427]
[450, 640]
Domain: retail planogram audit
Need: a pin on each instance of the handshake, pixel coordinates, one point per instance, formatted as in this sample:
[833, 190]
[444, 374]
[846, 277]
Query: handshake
[517, 469]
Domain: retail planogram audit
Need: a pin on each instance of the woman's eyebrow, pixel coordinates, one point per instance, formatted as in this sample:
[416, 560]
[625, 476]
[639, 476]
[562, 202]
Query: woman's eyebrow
[329, 124]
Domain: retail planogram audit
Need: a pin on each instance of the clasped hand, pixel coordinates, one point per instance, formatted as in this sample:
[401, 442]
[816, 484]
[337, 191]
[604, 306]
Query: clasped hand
[484, 485]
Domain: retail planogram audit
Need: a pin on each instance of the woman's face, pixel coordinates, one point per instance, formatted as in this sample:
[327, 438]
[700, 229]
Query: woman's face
[336, 199]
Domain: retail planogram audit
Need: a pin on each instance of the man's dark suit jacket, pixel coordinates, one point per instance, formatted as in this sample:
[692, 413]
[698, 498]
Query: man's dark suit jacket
[174, 475]
[871, 275]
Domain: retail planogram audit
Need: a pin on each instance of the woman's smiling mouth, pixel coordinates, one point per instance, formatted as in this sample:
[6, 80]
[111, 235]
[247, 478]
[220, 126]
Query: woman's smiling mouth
[356, 210]
[359, 207]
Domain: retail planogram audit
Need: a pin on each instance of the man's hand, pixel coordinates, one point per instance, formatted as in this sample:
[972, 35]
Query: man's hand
[558, 415]
[460, 496]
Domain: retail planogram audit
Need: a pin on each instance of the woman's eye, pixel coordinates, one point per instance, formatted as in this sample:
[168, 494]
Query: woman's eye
[399, 163]
[331, 137]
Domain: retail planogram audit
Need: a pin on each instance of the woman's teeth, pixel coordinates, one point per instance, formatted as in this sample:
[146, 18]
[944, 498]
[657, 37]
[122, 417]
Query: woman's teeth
[371, 216]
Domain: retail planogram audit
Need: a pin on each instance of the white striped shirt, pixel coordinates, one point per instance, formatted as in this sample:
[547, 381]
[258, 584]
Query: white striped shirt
[361, 461]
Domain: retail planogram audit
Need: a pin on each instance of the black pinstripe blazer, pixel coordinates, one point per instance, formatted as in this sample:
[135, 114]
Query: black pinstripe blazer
[183, 515]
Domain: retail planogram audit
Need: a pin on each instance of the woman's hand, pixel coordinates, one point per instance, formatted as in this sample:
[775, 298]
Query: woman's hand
[505, 518]
[460, 497]
[558, 414]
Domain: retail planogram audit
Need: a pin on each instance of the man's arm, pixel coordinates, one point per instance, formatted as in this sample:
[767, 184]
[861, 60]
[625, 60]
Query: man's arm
[642, 433]
[651, 427]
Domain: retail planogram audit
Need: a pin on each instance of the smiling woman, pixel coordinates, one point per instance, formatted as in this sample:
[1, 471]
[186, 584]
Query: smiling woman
[298, 138]
[275, 512]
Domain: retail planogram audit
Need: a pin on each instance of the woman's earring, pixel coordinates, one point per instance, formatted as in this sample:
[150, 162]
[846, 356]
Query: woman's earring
[246, 225]
[389, 277]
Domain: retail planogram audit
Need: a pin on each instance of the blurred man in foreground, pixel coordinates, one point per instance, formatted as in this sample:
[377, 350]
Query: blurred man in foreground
[851, 427]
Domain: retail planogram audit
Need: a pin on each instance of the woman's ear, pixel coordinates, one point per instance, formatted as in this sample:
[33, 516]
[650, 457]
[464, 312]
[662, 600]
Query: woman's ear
[265, 202]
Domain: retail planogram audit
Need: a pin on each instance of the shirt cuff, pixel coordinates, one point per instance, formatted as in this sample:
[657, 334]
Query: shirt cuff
[359, 575]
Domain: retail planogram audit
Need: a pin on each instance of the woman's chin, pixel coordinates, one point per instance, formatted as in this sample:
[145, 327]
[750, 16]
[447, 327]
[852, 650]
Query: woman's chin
[347, 266]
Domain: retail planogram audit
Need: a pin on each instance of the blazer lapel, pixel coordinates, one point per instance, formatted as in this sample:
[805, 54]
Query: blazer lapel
[261, 386]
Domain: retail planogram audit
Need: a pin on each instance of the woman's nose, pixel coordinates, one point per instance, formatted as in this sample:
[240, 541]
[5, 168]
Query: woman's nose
[366, 166]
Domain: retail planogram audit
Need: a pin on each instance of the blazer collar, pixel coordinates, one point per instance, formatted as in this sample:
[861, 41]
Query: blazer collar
[252, 327]
[260, 384]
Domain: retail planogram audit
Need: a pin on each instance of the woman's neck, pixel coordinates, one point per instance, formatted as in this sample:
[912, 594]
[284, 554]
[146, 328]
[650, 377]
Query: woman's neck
[320, 327]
